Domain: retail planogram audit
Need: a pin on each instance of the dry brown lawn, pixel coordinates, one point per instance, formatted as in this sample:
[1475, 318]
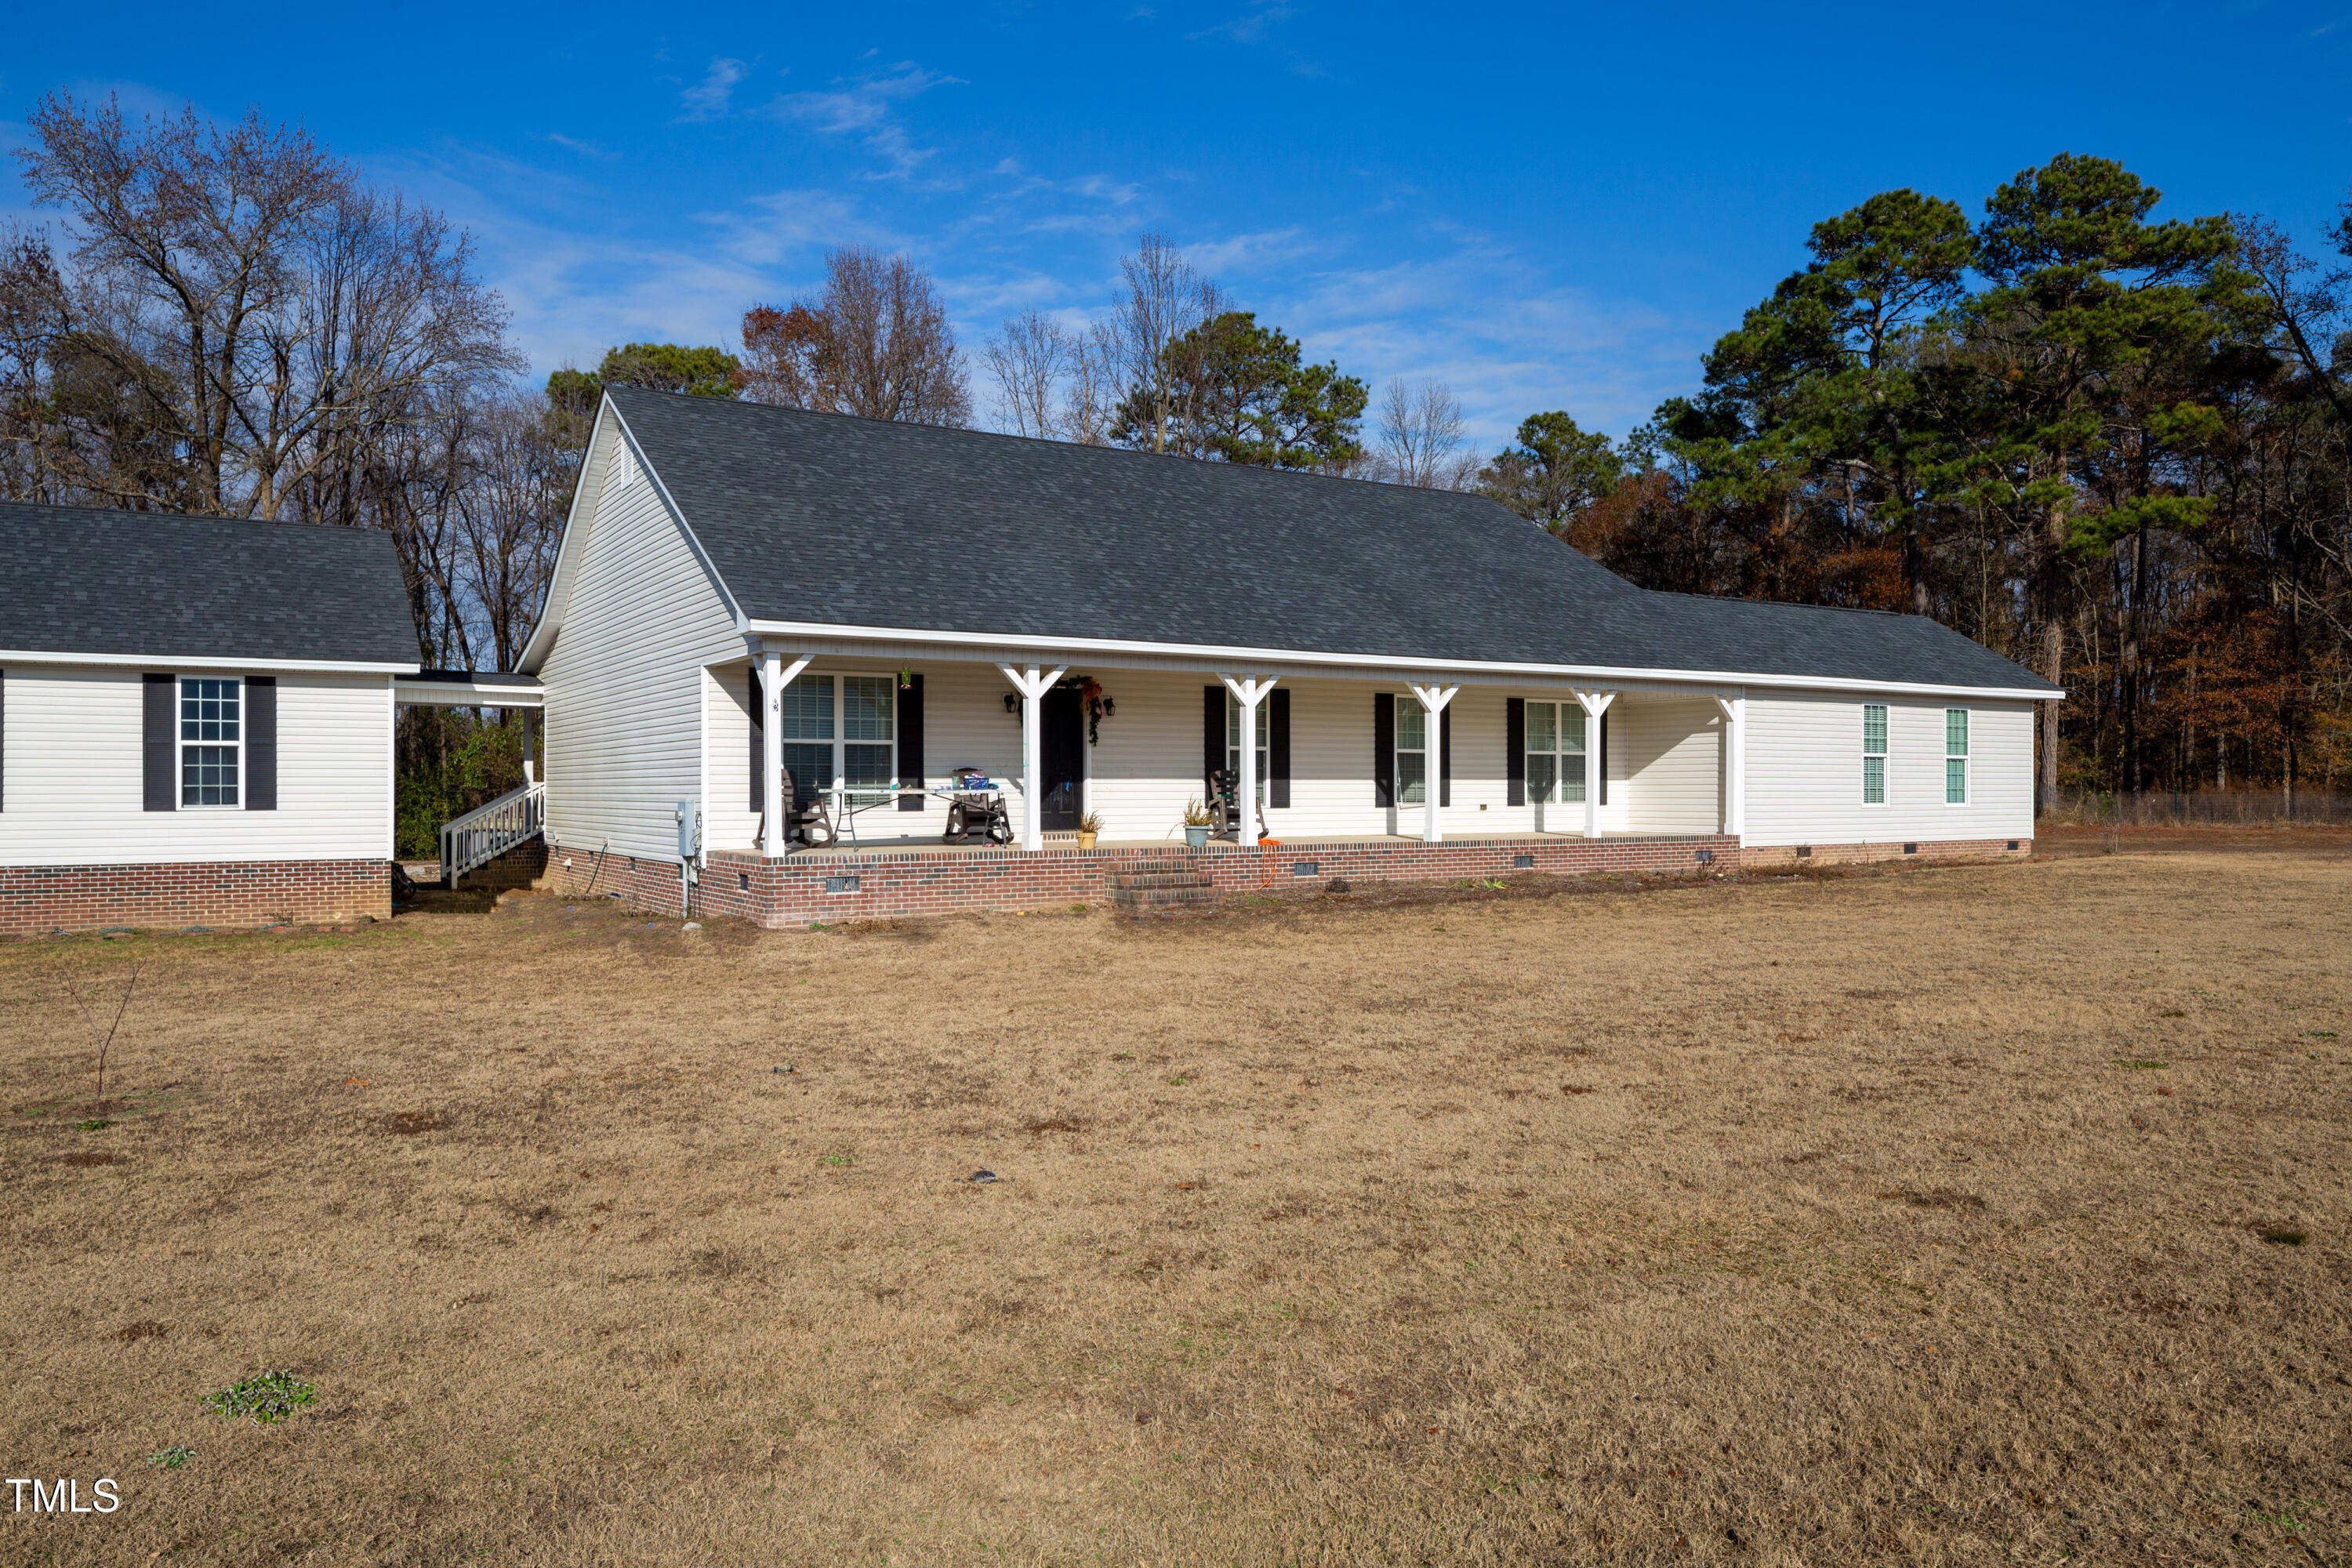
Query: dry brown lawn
[1952, 1215]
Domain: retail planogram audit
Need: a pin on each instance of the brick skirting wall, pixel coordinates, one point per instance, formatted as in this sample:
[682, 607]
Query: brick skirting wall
[36, 900]
[1762, 855]
[814, 885]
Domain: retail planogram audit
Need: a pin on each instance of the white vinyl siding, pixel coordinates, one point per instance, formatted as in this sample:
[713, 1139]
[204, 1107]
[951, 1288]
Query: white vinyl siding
[625, 684]
[1670, 752]
[1804, 753]
[75, 765]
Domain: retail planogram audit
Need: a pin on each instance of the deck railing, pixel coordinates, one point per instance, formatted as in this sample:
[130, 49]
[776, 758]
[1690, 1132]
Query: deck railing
[484, 834]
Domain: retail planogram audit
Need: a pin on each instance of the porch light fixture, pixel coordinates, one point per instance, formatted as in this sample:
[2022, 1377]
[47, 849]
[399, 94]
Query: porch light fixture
[1110, 706]
[1012, 702]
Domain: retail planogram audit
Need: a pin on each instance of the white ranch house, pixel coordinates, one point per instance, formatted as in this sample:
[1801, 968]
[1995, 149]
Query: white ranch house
[746, 594]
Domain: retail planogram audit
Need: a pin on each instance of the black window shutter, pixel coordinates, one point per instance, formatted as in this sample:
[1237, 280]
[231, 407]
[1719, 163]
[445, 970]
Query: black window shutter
[1213, 732]
[159, 751]
[1277, 749]
[1383, 748]
[3, 732]
[759, 745]
[1514, 749]
[1446, 755]
[261, 742]
[1601, 756]
[910, 740]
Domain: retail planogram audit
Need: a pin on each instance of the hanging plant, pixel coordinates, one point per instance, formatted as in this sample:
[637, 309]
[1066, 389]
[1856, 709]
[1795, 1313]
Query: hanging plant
[905, 677]
[1098, 706]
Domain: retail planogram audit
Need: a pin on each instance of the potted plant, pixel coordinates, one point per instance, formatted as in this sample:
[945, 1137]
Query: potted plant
[1090, 828]
[1197, 822]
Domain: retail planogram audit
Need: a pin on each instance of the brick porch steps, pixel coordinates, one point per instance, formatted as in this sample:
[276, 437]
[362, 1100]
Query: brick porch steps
[1158, 887]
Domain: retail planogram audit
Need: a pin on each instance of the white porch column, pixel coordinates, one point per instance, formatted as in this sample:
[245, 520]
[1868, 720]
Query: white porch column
[1249, 691]
[1594, 703]
[774, 676]
[1735, 766]
[1433, 699]
[1032, 689]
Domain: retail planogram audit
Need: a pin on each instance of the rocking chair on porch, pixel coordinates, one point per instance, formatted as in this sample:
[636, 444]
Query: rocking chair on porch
[1223, 791]
[808, 823]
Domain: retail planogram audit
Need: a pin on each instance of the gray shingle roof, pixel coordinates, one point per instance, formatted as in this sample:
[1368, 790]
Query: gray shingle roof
[157, 584]
[820, 518]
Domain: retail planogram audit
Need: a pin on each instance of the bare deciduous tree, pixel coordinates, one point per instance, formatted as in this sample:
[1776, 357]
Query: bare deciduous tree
[877, 345]
[1028, 360]
[1422, 436]
[1091, 404]
[240, 290]
[1166, 298]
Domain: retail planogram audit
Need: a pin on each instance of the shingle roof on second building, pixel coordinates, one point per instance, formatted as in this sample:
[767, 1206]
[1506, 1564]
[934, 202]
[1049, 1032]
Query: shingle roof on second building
[822, 518]
[150, 585]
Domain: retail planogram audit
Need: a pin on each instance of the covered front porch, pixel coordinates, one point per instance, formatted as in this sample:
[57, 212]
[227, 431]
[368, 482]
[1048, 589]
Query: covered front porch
[1374, 772]
[1086, 741]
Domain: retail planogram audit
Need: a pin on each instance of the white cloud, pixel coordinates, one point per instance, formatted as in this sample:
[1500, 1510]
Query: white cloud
[712, 98]
[862, 107]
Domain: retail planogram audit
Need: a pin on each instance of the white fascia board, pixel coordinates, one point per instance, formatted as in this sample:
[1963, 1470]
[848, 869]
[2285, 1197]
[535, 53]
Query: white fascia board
[465, 694]
[186, 661]
[803, 634]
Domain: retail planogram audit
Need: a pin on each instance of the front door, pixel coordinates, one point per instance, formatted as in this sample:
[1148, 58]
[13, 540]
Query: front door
[1063, 742]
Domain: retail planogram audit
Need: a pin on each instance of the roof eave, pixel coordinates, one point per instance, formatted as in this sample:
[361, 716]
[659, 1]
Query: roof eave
[982, 644]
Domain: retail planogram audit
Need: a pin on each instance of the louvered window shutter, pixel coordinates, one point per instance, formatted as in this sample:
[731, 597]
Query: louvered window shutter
[1515, 749]
[1277, 749]
[1383, 748]
[261, 742]
[159, 751]
[1601, 755]
[758, 746]
[1213, 735]
[910, 740]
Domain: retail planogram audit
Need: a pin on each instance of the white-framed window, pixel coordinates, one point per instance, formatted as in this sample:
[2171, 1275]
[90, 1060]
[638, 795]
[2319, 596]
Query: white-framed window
[840, 731]
[1233, 741]
[1956, 756]
[1555, 753]
[1411, 750]
[1873, 754]
[212, 741]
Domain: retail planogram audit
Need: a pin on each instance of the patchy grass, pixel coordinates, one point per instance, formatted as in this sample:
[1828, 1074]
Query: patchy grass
[1778, 1222]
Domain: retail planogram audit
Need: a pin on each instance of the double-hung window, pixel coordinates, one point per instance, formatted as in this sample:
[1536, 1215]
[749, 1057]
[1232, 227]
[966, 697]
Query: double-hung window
[1956, 756]
[1411, 750]
[211, 739]
[1234, 741]
[840, 731]
[1555, 752]
[1873, 754]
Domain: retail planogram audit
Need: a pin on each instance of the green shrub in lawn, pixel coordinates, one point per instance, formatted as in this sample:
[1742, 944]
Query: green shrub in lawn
[271, 1397]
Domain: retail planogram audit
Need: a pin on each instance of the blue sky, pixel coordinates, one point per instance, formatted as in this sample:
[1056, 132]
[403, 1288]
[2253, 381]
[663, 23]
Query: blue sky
[1544, 207]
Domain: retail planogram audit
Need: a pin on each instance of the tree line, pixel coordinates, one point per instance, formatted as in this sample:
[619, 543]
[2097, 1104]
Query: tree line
[2116, 448]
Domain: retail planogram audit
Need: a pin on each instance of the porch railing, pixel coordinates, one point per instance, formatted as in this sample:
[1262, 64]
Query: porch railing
[484, 834]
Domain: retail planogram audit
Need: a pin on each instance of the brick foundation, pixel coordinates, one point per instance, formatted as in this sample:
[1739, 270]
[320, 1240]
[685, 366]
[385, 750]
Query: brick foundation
[1765, 855]
[777, 893]
[36, 900]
